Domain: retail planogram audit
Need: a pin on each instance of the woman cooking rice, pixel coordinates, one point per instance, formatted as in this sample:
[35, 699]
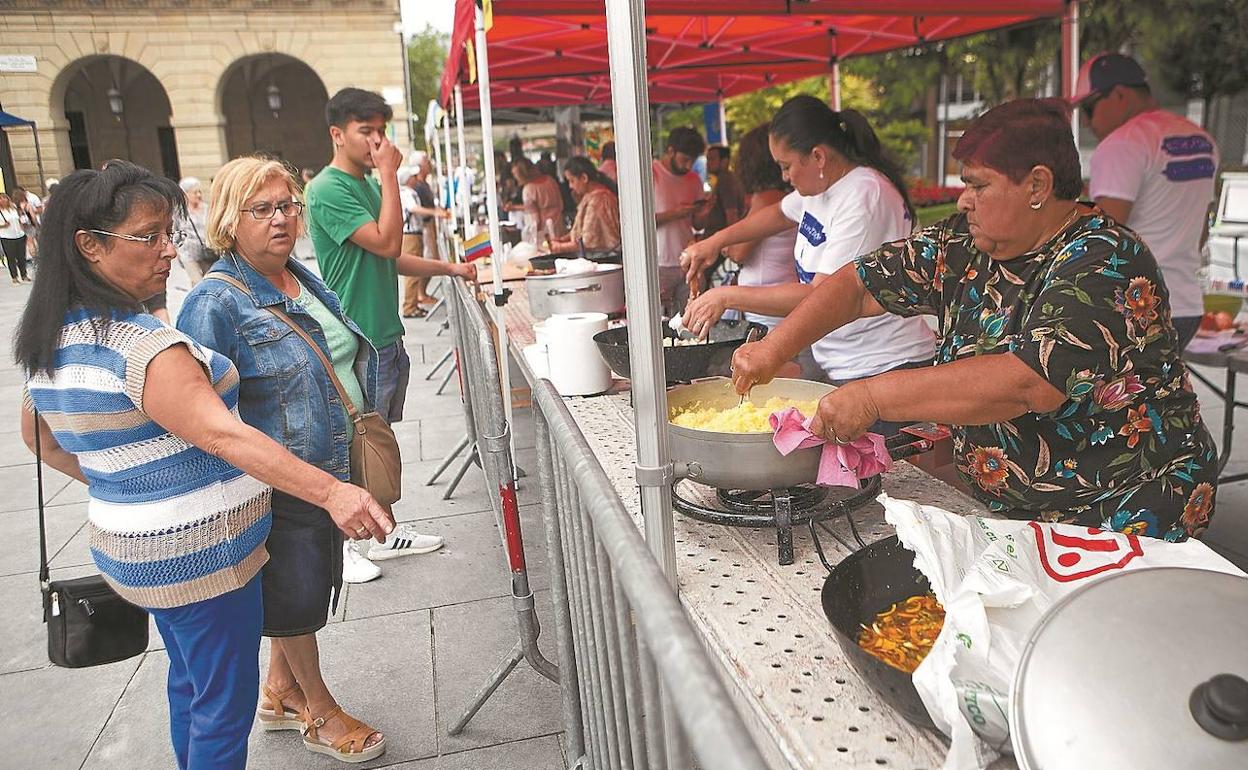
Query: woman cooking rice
[848, 199]
[1057, 366]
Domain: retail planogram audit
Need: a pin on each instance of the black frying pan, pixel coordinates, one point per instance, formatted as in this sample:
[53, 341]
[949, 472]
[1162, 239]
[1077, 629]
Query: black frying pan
[682, 363]
[864, 584]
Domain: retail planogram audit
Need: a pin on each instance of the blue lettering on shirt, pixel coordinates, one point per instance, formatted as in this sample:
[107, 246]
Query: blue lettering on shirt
[1195, 144]
[811, 230]
[802, 275]
[1187, 170]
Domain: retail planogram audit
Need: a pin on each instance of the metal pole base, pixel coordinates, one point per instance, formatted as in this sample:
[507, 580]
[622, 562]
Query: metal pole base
[446, 379]
[441, 362]
[440, 304]
[446, 463]
[472, 459]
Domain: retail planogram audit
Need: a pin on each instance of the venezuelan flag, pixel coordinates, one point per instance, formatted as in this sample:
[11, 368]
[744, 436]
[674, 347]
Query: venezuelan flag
[478, 246]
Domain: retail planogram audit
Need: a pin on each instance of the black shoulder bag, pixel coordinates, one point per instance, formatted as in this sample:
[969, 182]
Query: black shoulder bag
[88, 623]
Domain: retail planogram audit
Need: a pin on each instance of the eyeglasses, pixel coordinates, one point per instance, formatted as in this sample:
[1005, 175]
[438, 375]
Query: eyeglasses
[152, 241]
[266, 210]
[1088, 106]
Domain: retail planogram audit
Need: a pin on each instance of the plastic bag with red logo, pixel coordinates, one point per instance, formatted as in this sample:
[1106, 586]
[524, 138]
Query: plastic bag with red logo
[996, 578]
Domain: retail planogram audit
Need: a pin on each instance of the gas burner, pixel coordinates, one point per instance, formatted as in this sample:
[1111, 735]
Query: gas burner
[779, 508]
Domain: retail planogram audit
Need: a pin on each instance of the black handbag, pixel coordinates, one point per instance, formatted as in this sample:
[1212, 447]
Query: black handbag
[88, 623]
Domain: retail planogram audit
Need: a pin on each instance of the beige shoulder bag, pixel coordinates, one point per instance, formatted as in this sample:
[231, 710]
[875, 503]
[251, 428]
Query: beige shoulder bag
[375, 461]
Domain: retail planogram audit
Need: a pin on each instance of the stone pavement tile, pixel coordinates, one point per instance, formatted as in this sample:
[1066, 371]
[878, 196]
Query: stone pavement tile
[439, 436]
[381, 671]
[73, 492]
[531, 754]
[19, 534]
[469, 567]
[23, 636]
[425, 403]
[14, 451]
[19, 485]
[78, 550]
[470, 640]
[425, 502]
[52, 716]
[137, 732]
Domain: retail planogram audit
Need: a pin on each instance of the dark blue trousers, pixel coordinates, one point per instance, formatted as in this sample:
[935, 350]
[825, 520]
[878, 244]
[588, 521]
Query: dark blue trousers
[214, 677]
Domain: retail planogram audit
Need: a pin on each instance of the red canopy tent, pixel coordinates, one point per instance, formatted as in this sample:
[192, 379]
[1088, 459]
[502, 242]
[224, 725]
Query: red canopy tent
[552, 52]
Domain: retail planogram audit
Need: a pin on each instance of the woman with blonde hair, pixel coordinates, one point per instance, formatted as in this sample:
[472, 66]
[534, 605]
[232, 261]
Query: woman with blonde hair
[244, 309]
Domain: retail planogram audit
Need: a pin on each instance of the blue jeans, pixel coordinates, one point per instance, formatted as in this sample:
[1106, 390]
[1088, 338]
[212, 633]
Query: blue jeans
[393, 371]
[214, 677]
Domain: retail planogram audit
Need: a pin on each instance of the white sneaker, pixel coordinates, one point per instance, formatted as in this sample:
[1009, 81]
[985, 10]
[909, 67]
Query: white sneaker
[355, 568]
[404, 541]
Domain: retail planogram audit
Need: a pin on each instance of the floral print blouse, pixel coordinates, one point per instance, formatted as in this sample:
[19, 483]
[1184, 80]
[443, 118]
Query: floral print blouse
[598, 220]
[1088, 311]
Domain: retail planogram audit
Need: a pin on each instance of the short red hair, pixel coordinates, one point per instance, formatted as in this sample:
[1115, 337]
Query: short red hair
[1015, 137]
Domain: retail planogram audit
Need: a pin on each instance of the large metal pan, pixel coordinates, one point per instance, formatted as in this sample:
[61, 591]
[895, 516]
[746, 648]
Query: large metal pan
[682, 363]
[864, 584]
[741, 460]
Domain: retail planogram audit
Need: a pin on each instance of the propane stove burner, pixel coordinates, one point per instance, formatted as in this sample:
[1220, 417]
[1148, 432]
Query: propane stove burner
[782, 509]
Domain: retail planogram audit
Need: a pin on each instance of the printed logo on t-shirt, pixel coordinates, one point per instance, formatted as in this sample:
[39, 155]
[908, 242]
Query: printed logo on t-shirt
[811, 229]
[1190, 168]
[802, 275]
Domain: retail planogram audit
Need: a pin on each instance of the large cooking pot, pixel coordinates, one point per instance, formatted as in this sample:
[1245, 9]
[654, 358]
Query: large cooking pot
[864, 584]
[601, 291]
[682, 363]
[741, 460]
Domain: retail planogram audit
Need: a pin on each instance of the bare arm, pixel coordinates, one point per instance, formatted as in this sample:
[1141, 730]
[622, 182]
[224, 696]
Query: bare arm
[671, 215]
[53, 455]
[385, 236]
[1116, 208]
[742, 251]
[768, 220]
[178, 397]
[419, 267]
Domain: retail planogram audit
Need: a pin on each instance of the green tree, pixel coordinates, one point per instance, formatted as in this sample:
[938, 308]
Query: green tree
[426, 57]
[1198, 46]
[1007, 63]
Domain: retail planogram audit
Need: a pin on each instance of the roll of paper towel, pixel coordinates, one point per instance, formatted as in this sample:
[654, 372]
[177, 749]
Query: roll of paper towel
[576, 367]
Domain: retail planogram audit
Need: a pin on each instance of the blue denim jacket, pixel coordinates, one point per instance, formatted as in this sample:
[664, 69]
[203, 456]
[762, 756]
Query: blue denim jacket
[284, 389]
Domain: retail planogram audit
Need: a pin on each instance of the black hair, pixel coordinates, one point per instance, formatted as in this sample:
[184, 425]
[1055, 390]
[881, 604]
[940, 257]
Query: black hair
[724, 153]
[356, 104]
[686, 140]
[756, 168]
[84, 200]
[582, 166]
[608, 151]
[804, 122]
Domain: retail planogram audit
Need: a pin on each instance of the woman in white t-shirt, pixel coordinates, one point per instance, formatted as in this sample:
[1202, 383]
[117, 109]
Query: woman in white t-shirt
[848, 200]
[13, 239]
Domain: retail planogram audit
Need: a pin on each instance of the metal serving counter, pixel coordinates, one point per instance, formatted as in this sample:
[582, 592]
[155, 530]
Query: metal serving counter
[764, 622]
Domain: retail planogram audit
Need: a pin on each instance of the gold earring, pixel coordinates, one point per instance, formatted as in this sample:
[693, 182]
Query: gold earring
[1035, 205]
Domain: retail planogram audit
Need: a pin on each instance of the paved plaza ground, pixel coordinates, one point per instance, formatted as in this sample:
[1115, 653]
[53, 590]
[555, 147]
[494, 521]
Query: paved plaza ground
[404, 652]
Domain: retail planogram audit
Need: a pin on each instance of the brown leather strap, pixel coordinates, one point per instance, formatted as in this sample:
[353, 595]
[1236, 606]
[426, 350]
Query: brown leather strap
[352, 412]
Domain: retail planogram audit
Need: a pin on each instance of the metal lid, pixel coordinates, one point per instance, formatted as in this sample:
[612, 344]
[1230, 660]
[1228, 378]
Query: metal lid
[1145, 669]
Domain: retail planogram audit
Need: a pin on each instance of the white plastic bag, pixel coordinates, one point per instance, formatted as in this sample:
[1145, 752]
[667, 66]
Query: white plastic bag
[996, 578]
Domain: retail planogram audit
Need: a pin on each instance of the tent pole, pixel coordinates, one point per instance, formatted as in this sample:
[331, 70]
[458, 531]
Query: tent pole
[465, 187]
[449, 166]
[43, 186]
[834, 85]
[626, 45]
[1070, 59]
[723, 121]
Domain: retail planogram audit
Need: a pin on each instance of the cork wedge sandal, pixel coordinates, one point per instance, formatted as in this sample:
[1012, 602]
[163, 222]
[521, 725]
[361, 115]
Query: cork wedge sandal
[351, 746]
[274, 714]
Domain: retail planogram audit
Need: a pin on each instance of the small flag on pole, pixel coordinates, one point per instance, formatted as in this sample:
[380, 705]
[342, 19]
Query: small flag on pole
[478, 246]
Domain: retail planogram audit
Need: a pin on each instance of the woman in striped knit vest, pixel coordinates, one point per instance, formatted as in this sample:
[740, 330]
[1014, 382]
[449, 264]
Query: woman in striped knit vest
[179, 486]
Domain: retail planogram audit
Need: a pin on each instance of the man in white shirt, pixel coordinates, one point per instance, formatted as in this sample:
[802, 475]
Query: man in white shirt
[1153, 171]
[678, 194]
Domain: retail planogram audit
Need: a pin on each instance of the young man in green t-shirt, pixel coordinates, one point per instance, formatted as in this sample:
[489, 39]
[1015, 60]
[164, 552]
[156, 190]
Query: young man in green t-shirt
[356, 225]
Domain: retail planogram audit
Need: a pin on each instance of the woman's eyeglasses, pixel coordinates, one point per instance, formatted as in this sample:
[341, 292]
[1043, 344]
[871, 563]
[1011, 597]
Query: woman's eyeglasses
[266, 210]
[152, 241]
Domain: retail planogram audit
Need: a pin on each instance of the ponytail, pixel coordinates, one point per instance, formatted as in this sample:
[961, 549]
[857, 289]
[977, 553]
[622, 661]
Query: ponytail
[805, 122]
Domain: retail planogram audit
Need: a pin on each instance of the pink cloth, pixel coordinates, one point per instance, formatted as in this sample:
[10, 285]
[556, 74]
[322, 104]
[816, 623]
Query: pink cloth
[842, 465]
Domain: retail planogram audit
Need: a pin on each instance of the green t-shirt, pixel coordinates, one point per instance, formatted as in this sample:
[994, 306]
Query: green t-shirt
[368, 285]
[343, 344]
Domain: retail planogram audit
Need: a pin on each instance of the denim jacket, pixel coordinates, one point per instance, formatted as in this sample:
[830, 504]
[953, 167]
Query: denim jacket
[284, 390]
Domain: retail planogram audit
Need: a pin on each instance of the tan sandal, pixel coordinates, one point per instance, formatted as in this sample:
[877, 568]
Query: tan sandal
[351, 746]
[274, 714]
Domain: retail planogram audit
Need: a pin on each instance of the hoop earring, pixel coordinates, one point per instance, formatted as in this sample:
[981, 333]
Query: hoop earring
[1035, 205]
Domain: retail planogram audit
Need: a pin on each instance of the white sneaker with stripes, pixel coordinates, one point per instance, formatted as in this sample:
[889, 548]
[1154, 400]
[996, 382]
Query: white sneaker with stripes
[404, 541]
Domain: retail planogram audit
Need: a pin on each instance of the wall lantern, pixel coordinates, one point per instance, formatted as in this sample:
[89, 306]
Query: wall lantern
[274, 96]
[115, 104]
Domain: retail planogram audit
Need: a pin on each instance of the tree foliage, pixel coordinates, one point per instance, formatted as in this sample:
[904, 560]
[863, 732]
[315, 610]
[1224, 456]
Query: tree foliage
[1198, 47]
[426, 56]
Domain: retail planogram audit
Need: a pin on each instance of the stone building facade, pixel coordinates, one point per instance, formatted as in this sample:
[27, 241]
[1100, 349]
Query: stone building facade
[182, 86]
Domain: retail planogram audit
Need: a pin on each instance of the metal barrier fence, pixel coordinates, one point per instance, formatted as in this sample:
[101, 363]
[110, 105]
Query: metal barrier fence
[642, 680]
[487, 426]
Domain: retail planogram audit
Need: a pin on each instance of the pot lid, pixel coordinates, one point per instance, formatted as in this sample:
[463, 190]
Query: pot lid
[1145, 669]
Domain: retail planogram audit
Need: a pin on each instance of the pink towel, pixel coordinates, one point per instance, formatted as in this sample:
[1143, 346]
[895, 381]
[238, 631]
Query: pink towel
[841, 465]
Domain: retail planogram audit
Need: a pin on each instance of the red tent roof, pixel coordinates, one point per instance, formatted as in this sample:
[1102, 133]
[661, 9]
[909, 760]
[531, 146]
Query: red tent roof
[550, 52]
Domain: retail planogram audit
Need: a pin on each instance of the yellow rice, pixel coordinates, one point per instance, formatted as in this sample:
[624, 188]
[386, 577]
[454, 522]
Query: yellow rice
[746, 418]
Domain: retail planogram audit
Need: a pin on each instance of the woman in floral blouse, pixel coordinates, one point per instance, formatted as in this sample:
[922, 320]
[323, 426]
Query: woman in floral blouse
[1057, 367]
[597, 223]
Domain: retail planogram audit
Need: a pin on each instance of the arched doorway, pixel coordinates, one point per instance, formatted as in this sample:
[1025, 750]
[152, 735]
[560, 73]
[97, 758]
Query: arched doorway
[116, 108]
[275, 104]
